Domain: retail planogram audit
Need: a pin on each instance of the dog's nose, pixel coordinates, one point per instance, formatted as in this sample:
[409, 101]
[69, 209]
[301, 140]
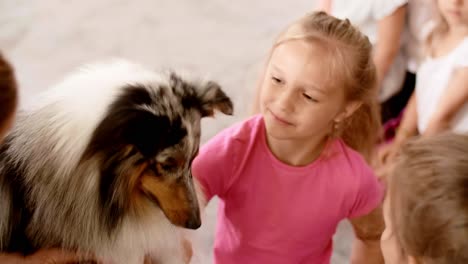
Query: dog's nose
[193, 223]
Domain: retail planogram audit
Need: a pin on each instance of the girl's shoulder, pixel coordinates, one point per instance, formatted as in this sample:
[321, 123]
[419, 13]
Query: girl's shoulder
[237, 135]
[434, 40]
[363, 190]
[346, 157]
[462, 48]
[245, 130]
[458, 55]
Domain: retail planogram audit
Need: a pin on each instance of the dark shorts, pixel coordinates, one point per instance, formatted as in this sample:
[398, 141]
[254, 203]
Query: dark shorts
[395, 104]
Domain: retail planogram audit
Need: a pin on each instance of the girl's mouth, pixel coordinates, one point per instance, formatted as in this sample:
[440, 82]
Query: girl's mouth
[280, 119]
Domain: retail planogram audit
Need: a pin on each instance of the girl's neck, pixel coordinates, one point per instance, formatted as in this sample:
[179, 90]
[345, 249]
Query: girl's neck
[296, 152]
[449, 41]
[457, 32]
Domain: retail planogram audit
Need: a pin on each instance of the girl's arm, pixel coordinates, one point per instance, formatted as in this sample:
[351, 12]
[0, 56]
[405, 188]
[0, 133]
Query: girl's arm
[451, 102]
[324, 5]
[368, 230]
[409, 124]
[407, 129]
[389, 32]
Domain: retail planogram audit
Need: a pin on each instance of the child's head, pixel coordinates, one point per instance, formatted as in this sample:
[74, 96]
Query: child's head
[426, 208]
[8, 96]
[320, 80]
[451, 14]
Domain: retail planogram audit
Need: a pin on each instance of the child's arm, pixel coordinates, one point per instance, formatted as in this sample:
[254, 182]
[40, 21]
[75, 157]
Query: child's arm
[454, 98]
[368, 230]
[388, 41]
[407, 129]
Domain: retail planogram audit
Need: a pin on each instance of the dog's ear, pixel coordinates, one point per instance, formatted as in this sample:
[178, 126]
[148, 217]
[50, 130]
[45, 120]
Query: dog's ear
[213, 98]
[206, 96]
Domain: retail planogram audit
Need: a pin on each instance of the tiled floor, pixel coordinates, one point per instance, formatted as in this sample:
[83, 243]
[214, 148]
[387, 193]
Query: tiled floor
[223, 39]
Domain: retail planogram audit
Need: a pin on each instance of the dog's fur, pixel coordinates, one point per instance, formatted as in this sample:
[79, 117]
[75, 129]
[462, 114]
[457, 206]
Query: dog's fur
[100, 163]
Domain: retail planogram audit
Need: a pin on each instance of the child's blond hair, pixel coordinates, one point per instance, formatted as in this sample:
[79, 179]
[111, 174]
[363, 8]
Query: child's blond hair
[352, 68]
[429, 199]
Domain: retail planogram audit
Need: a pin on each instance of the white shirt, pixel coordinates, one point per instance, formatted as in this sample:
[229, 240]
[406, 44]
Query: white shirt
[365, 14]
[432, 82]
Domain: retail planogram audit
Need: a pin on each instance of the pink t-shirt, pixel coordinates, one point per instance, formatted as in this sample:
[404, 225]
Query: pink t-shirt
[274, 213]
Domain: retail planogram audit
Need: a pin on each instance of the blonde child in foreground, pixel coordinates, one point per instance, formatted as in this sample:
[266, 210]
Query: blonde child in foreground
[426, 208]
[287, 177]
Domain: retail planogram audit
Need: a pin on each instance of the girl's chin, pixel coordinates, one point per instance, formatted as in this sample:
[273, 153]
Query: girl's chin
[277, 131]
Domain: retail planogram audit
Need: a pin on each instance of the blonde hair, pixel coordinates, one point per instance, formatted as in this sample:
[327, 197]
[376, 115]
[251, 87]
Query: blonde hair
[352, 61]
[429, 199]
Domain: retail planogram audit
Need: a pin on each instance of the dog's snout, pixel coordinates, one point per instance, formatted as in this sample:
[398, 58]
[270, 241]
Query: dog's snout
[193, 223]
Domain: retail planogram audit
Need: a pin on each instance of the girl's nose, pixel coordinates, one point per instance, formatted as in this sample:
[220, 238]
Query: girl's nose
[286, 100]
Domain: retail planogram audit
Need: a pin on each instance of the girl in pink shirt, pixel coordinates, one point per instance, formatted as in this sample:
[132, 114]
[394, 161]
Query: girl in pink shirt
[286, 177]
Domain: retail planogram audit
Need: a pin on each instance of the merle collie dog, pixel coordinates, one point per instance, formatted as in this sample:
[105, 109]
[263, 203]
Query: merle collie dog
[100, 163]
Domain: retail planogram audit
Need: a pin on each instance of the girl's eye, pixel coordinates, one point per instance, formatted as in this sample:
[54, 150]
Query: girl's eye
[309, 98]
[276, 80]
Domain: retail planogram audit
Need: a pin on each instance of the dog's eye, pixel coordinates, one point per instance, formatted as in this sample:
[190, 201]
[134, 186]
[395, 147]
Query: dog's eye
[169, 165]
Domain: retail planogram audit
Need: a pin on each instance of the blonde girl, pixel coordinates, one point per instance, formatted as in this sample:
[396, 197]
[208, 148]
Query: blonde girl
[288, 176]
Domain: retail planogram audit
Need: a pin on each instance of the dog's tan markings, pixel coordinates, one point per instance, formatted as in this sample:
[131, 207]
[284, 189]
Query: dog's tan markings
[141, 205]
[171, 196]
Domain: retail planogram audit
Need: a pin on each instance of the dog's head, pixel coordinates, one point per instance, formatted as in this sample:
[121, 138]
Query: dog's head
[146, 143]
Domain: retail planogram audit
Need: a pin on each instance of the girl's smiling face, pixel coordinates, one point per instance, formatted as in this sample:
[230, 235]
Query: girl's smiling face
[299, 100]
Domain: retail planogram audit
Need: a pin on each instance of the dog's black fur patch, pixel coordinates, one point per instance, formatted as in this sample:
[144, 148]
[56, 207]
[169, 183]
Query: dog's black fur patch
[125, 124]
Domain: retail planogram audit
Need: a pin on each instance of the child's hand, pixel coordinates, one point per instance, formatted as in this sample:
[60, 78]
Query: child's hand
[188, 250]
[387, 153]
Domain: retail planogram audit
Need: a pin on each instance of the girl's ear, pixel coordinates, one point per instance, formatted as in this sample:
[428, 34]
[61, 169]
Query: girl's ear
[349, 109]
